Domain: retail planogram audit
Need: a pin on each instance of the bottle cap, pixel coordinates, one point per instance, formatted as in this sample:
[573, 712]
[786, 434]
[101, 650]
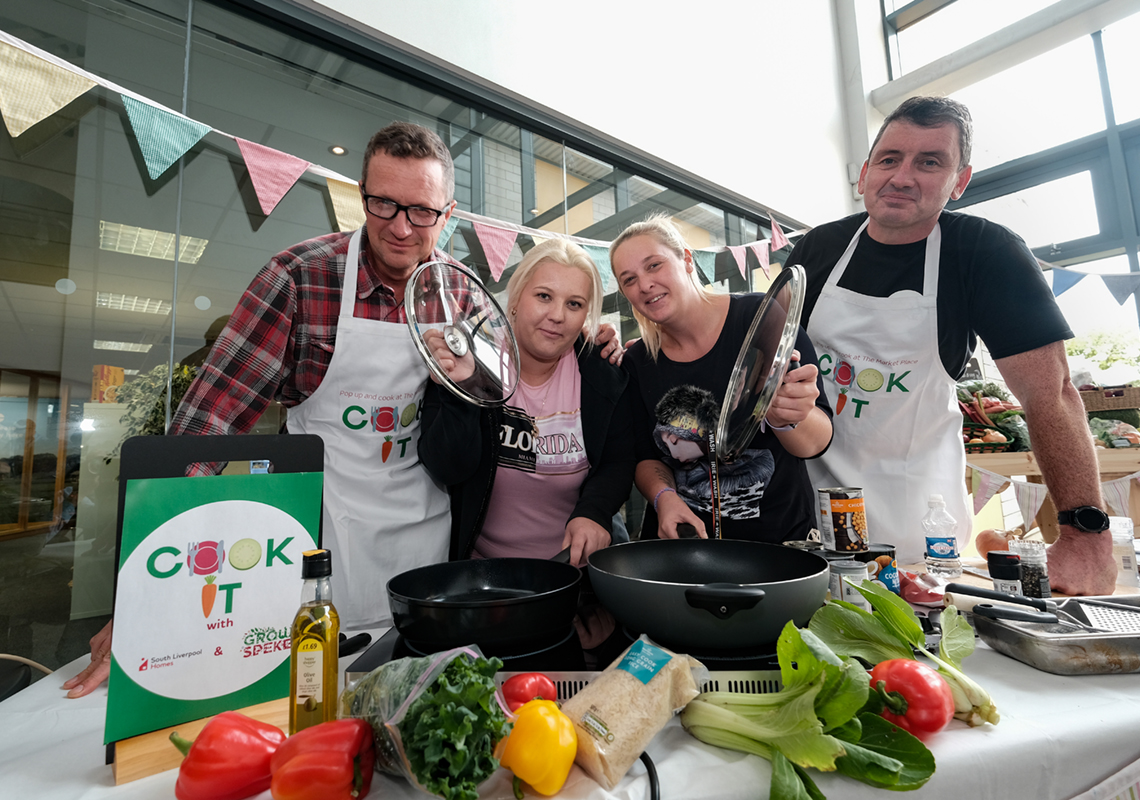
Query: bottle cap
[316, 564]
[935, 501]
[1004, 565]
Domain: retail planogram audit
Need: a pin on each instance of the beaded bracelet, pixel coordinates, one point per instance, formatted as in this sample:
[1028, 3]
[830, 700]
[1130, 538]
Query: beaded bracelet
[657, 496]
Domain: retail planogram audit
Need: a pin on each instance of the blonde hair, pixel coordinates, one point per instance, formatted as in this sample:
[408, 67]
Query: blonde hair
[662, 229]
[566, 254]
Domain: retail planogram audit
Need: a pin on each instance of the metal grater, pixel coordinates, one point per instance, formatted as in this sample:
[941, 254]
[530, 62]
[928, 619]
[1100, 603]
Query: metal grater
[1116, 620]
[737, 681]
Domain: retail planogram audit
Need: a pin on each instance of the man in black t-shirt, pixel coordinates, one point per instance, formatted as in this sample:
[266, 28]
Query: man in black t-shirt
[897, 297]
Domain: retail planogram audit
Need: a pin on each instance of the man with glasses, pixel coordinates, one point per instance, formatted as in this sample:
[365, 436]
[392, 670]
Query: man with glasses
[332, 345]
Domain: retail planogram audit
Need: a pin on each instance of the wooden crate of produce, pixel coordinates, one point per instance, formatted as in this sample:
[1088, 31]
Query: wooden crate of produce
[1112, 398]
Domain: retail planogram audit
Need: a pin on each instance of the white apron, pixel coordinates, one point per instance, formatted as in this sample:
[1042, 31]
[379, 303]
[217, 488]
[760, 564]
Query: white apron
[898, 431]
[383, 514]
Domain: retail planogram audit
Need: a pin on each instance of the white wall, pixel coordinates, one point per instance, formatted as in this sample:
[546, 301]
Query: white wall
[745, 93]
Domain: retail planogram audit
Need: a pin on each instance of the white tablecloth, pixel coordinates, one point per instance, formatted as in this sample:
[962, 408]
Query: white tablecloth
[1059, 737]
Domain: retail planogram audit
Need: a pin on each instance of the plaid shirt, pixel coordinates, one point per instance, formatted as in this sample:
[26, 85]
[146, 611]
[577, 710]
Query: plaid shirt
[280, 338]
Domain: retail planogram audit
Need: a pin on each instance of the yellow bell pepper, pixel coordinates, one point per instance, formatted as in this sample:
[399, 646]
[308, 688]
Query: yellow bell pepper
[541, 747]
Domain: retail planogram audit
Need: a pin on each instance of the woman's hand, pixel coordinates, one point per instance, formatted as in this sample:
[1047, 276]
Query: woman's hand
[584, 536]
[97, 671]
[796, 396]
[672, 511]
[457, 368]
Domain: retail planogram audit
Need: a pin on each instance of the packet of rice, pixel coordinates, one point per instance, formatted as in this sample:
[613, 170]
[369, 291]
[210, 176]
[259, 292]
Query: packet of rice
[617, 713]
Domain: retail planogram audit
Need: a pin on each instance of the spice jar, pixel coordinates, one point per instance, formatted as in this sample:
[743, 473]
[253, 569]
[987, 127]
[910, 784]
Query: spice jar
[1005, 569]
[1034, 568]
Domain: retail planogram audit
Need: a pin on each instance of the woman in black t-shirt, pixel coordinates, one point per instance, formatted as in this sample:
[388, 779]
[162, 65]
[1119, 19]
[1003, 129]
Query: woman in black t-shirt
[679, 372]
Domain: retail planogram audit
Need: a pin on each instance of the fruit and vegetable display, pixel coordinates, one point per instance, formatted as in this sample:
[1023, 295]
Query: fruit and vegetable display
[984, 403]
[436, 720]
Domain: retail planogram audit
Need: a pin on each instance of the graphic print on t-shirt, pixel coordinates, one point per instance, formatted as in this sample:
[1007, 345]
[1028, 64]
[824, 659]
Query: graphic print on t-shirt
[552, 445]
[685, 415]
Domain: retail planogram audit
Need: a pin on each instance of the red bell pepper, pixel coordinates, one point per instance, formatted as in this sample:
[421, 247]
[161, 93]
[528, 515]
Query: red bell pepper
[330, 761]
[518, 690]
[229, 760]
[916, 697]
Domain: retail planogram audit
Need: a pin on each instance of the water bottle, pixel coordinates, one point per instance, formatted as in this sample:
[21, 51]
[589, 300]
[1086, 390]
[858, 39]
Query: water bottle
[941, 543]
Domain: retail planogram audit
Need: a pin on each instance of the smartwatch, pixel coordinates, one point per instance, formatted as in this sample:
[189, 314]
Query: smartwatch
[1089, 519]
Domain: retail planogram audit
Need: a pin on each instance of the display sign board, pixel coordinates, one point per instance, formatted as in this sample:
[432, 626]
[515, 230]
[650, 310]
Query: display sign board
[209, 581]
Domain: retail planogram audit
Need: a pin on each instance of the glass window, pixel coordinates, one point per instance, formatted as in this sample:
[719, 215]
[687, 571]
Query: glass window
[1122, 58]
[1049, 213]
[1016, 113]
[956, 25]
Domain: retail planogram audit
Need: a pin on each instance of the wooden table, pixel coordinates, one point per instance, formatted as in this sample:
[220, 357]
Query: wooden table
[1114, 463]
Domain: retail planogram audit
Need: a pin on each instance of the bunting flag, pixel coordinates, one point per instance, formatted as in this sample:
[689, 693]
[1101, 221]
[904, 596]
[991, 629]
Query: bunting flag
[760, 249]
[539, 239]
[448, 230]
[272, 172]
[346, 204]
[34, 89]
[1116, 494]
[1122, 286]
[497, 245]
[985, 485]
[779, 240]
[601, 259]
[739, 252]
[1065, 279]
[163, 136]
[706, 263]
[1030, 496]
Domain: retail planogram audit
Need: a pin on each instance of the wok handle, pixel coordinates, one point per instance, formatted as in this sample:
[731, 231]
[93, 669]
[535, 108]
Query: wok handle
[722, 600]
[991, 594]
[1008, 612]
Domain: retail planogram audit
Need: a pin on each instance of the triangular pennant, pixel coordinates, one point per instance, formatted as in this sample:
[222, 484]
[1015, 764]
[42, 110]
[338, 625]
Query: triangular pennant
[539, 239]
[985, 485]
[1030, 496]
[760, 249]
[1122, 286]
[345, 198]
[601, 258]
[706, 263]
[273, 173]
[32, 89]
[1116, 494]
[163, 136]
[1064, 279]
[779, 240]
[738, 252]
[448, 230]
[497, 245]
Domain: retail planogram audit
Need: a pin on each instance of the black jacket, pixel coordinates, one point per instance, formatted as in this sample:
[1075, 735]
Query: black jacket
[459, 446]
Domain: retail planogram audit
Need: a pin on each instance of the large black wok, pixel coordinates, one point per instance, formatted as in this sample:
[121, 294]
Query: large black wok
[711, 594]
[501, 604]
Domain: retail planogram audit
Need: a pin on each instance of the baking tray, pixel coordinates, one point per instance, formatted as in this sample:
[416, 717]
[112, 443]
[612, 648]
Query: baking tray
[1064, 649]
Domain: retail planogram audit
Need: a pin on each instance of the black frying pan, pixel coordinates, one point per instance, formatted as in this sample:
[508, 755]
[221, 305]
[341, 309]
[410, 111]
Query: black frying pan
[513, 603]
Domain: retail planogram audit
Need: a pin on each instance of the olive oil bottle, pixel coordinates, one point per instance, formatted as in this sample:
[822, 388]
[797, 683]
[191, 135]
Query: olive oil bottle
[313, 669]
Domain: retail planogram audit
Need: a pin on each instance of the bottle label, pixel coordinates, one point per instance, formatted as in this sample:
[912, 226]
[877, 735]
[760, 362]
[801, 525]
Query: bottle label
[942, 546]
[1007, 586]
[310, 673]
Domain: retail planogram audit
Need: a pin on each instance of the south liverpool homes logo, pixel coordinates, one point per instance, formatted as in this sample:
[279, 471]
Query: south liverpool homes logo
[370, 414]
[867, 382]
[209, 560]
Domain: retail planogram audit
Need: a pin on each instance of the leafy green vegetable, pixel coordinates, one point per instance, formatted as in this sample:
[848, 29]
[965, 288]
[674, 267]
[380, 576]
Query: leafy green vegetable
[891, 630]
[450, 730]
[814, 722]
[967, 390]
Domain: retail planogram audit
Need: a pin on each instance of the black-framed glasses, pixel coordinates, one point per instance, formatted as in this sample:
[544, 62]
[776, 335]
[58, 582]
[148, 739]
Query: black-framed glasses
[420, 216]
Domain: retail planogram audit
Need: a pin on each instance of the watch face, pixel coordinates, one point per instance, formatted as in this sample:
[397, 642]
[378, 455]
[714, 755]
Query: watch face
[1090, 518]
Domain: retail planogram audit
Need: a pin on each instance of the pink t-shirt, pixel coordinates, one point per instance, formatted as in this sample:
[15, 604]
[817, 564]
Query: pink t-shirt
[539, 476]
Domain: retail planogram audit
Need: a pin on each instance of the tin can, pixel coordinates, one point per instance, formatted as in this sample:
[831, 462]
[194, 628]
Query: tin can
[803, 544]
[840, 589]
[843, 519]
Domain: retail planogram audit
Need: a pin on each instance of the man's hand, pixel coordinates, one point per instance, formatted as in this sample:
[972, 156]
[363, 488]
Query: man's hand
[584, 536]
[607, 340]
[1081, 563]
[673, 511]
[97, 671]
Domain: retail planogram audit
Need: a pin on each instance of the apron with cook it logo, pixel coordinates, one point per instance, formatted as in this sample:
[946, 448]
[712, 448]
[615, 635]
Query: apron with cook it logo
[383, 514]
[898, 429]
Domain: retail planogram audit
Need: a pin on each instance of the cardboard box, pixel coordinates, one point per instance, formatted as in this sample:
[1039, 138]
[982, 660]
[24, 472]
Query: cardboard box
[104, 382]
